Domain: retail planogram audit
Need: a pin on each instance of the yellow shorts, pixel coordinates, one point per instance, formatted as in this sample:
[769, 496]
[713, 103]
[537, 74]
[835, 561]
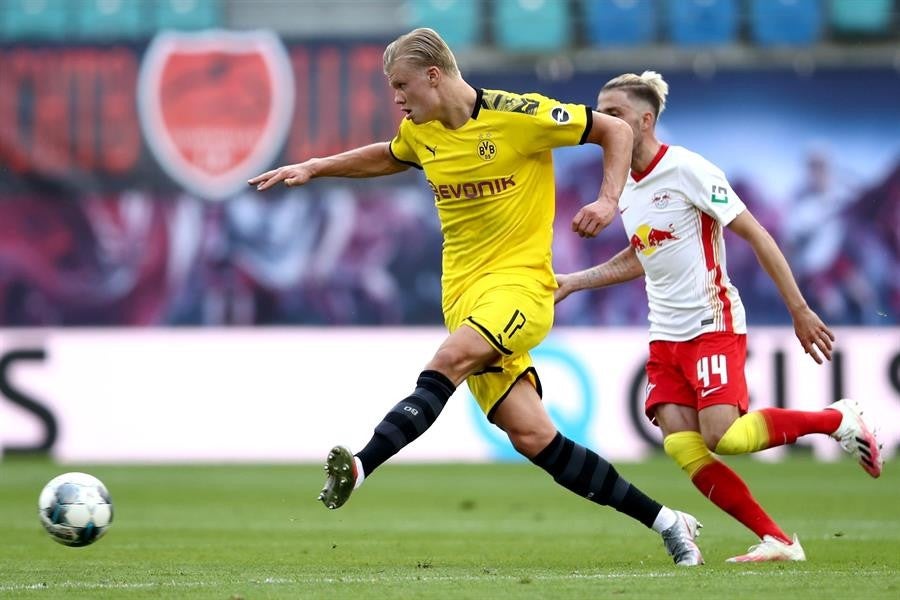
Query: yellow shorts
[514, 316]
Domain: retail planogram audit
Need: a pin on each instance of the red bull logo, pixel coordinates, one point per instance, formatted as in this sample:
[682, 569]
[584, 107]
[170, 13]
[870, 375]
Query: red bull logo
[647, 239]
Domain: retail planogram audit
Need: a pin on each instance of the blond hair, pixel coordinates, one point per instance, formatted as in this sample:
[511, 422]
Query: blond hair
[423, 47]
[649, 86]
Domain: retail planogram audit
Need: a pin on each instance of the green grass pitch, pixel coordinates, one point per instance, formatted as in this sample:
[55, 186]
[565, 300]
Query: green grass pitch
[442, 531]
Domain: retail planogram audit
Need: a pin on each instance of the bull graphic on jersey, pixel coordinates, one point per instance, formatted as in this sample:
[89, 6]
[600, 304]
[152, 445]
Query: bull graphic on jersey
[647, 239]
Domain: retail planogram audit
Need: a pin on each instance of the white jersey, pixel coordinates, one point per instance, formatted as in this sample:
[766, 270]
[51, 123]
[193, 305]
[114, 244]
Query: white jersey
[673, 214]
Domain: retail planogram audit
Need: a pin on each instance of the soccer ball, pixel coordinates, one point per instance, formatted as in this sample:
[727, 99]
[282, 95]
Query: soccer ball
[75, 509]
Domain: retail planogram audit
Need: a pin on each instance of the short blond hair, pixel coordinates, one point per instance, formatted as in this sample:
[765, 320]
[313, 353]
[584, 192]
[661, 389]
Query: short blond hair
[423, 47]
[648, 86]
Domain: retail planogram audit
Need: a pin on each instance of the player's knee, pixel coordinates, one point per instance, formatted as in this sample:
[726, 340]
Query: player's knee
[453, 361]
[529, 441]
[730, 442]
[749, 433]
[712, 438]
[445, 359]
[688, 449]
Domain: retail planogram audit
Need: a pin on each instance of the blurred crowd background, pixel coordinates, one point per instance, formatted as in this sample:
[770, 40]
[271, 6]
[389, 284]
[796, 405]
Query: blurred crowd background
[128, 126]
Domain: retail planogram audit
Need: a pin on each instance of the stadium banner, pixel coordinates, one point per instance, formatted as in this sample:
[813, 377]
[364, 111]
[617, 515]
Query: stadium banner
[196, 111]
[289, 394]
[124, 202]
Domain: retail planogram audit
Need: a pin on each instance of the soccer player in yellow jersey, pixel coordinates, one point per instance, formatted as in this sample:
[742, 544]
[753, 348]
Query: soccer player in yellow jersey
[487, 157]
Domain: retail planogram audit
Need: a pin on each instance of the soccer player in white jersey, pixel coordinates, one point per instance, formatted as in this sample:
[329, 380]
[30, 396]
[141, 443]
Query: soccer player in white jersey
[487, 157]
[674, 208]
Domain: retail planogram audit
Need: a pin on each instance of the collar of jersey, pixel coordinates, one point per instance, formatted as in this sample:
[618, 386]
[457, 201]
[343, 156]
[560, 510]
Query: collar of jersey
[479, 94]
[659, 154]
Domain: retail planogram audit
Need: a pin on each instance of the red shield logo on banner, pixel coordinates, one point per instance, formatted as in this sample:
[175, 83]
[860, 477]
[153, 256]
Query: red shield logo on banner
[215, 106]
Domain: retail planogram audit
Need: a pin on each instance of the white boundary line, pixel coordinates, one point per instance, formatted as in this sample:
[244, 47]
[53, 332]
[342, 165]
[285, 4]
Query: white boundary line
[389, 579]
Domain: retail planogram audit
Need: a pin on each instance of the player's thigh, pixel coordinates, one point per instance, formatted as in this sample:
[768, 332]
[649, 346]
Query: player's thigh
[715, 421]
[512, 318]
[524, 419]
[668, 387]
[463, 352]
[493, 385]
[673, 418]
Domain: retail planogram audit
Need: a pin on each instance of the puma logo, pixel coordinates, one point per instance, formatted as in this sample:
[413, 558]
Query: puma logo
[430, 149]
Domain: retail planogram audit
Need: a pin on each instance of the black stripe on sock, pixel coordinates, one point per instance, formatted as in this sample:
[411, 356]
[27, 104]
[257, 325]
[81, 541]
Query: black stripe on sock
[589, 475]
[407, 420]
[637, 505]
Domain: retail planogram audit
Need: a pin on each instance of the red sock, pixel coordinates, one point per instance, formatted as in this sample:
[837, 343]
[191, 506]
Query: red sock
[785, 426]
[728, 491]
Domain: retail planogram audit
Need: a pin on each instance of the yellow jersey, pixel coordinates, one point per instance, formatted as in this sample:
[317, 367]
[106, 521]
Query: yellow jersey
[493, 184]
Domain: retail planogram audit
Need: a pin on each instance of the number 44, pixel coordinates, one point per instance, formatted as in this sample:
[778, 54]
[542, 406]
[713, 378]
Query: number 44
[712, 365]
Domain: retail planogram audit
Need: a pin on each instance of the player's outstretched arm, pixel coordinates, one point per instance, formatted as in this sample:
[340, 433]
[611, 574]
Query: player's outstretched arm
[373, 160]
[815, 337]
[615, 136]
[622, 267]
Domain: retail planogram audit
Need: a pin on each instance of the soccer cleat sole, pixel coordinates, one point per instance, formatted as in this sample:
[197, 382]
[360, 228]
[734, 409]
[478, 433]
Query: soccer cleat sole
[340, 479]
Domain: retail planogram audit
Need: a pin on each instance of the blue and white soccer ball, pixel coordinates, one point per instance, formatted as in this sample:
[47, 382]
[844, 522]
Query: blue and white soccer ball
[75, 509]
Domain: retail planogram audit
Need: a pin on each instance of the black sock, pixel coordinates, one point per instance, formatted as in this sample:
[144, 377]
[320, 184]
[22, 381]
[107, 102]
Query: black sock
[586, 473]
[408, 420]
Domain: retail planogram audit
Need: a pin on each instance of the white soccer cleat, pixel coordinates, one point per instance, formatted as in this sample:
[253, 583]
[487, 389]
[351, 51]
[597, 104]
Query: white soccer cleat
[770, 549]
[679, 540]
[857, 436]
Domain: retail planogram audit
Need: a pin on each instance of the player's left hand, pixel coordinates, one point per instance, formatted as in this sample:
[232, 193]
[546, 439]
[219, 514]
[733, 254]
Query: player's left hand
[291, 175]
[814, 335]
[594, 217]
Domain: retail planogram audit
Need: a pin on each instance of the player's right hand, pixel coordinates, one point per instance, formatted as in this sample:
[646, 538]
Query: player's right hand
[564, 281]
[594, 217]
[815, 337]
[291, 175]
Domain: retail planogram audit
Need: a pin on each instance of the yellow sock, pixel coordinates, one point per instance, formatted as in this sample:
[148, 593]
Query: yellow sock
[747, 434]
[689, 450]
